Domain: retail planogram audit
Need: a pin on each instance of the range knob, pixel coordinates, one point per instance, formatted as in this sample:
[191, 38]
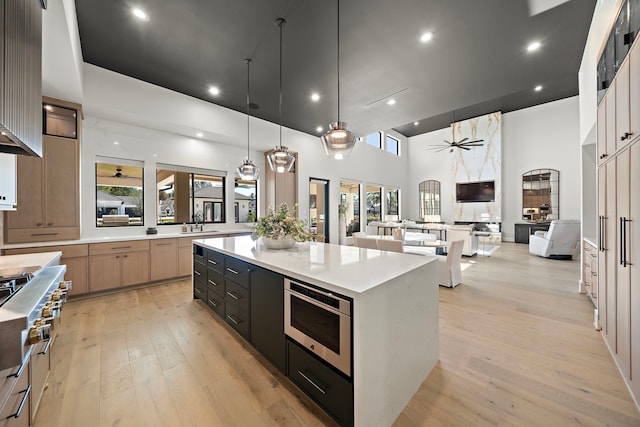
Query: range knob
[34, 335]
[47, 310]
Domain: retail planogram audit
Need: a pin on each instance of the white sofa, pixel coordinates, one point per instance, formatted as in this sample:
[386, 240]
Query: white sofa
[465, 233]
[562, 241]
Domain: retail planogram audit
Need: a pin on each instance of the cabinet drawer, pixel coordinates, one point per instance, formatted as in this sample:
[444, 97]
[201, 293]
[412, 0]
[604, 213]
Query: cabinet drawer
[238, 319]
[215, 261]
[68, 251]
[328, 388]
[215, 282]
[42, 234]
[238, 271]
[236, 295]
[113, 247]
[200, 271]
[200, 290]
[215, 302]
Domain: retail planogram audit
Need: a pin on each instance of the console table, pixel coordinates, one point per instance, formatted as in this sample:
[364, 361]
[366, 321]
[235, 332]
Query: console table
[524, 230]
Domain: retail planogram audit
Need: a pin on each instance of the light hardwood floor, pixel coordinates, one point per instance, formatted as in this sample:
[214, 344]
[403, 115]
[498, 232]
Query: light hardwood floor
[517, 347]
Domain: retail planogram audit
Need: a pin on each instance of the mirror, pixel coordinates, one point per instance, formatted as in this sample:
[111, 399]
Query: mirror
[540, 195]
[429, 193]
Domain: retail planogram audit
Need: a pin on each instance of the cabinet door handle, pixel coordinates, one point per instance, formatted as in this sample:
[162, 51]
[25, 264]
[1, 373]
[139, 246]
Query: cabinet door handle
[232, 319]
[22, 402]
[213, 262]
[621, 255]
[624, 240]
[49, 224]
[43, 234]
[197, 273]
[232, 271]
[198, 291]
[39, 224]
[212, 282]
[120, 247]
[19, 371]
[320, 389]
[163, 244]
[213, 303]
[232, 295]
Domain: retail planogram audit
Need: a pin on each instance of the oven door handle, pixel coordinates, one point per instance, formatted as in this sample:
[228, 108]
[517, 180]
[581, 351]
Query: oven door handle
[315, 302]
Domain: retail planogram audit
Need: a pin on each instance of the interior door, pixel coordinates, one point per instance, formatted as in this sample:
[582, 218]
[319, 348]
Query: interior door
[319, 207]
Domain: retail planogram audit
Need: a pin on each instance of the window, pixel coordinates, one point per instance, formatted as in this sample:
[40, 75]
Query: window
[119, 195]
[374, 203]
[375, 139]
[393, 208]
[429, 193]
[189, 196]
[392, 145]
[350, 197]
[246, 200]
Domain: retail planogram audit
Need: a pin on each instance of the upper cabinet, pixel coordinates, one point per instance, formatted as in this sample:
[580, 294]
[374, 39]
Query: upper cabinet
[21, 77]
[48, 187]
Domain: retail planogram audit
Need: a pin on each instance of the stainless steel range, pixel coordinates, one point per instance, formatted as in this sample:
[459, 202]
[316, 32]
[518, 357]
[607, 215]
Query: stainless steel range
[30, 302]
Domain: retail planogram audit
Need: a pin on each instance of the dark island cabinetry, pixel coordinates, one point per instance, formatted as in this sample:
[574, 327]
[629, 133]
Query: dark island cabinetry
[267, 315]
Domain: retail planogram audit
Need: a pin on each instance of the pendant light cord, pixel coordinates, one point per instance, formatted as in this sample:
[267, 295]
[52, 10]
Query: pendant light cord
[249, 61]
[281, 23]
[338, 51]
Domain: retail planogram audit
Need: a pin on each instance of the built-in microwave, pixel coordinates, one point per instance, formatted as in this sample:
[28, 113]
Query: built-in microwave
[320, 321]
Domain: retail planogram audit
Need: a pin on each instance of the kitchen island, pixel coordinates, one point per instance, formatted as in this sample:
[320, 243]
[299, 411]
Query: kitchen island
[394, 315]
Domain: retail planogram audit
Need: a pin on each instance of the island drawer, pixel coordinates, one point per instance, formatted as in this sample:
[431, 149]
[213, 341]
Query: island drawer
[199, 271]
[215, 261]
[199, 254]
[236, 295]
[238, 319]
[324, 385]
[215, 302]
[215, 282]
[238, 271]
[199, 290]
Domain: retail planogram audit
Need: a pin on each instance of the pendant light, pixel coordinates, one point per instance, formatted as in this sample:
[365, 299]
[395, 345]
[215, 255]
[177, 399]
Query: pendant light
[248, 170]
[338, 141]
[280, 160]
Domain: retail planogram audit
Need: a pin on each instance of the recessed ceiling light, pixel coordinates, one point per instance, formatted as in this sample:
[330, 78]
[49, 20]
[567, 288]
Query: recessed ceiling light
[155, 155]
[533, 46]
[213, 90]
[319, 129]
[315, 97]
[538, 88]
[115, 143]
[416, 123]
[426, 37]
[199, 134]
[48, 107]
[391, 102]
[140, 14]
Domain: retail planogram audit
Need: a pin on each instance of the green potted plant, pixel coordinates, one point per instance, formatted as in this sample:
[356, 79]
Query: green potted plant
[280, 228]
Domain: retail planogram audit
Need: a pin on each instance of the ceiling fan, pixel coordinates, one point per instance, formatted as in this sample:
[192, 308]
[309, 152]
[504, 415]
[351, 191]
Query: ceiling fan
[450, 145]
[118, 173]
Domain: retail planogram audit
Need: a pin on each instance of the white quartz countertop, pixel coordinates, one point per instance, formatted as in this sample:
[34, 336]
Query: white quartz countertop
[143, 236]
[345, 269]
[41, 260]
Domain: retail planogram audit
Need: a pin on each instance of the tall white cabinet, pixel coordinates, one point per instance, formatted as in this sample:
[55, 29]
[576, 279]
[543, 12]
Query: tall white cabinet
[619, 219]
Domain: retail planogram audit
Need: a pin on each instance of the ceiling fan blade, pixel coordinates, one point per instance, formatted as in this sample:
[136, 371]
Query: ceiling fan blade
[465, 148]
[473, 145]
[448, 142]
[472, 142]
[462, 140]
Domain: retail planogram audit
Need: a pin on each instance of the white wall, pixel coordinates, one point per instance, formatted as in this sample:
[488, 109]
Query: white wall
[155, 125]
[544, 136]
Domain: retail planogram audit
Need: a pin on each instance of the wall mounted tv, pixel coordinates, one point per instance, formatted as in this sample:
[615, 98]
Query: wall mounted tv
[481, 191]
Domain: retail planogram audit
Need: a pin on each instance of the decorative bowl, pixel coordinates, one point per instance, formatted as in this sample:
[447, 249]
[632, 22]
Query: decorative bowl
[285, 242]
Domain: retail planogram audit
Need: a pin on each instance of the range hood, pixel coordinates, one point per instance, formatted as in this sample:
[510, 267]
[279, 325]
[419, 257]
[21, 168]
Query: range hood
[21, 77]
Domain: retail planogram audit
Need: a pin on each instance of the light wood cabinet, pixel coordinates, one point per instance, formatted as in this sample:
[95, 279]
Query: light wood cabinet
[117, 264]
[619, 211]
[47, 192]
[185, 256]
[164, 259]
[590, 271]
[73, 256]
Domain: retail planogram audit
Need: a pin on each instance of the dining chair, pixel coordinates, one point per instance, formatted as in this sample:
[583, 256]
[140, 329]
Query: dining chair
[356, 235]
[449, 271]
[367, 242]
[390, 245]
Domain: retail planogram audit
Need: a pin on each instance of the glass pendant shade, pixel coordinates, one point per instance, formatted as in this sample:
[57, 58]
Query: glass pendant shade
[338, 141]
[280, 160]
[248, 170]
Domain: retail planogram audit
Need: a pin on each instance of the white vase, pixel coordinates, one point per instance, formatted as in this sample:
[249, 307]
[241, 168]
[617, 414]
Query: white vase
[342, 230]
[285, 242]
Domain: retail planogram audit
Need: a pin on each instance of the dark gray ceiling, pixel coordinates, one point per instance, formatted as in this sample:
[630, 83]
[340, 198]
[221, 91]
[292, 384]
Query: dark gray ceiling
[476, 63]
